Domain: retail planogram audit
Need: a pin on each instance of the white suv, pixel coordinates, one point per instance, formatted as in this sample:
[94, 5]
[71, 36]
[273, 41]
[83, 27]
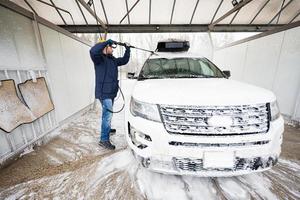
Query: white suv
[186, 117]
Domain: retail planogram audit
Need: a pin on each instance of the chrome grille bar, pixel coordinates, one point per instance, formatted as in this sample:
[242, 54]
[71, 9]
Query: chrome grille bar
[194, 120]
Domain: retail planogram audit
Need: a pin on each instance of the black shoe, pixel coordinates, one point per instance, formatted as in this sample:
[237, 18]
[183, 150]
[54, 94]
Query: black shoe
[112, 131]
[107, 145]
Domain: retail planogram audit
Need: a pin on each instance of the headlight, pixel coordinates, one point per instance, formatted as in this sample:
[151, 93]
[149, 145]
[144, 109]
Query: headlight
[144, 110]
[275, 113]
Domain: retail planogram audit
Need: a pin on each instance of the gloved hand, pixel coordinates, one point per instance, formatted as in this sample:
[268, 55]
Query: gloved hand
[127, 45]
[110, 42]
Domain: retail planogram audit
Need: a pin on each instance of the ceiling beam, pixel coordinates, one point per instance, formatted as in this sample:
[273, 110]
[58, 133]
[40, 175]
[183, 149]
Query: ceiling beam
[161, 28]
[235, 8]
[82, 2]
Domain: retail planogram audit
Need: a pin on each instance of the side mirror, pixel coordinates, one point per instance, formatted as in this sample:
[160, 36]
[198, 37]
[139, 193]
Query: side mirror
[130, 75]
[227, 73]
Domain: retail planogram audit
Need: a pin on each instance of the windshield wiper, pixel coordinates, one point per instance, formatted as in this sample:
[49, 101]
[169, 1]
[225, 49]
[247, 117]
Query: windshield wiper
[140, 78]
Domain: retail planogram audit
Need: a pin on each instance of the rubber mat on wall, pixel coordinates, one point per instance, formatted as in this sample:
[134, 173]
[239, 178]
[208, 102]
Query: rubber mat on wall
[13, 112]
[36, 96]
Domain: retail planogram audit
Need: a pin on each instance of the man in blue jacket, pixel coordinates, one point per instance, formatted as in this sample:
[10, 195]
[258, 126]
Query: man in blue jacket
[107, 84]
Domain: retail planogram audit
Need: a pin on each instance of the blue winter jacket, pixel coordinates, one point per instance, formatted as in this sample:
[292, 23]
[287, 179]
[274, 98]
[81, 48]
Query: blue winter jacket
[106, 71]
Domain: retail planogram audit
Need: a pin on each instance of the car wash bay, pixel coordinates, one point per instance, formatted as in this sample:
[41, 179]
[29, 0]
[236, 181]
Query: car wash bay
[50, 123]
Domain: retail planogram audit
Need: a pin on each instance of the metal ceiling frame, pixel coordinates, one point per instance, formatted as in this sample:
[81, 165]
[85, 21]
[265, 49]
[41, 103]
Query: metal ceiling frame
[194, 11]
[236, 13]
[283, 1]
[24, 12]
[173, 8]
[213, 18]
[62, 18]
[294, 17]
[57, 8]
[150, 5]
[234, 9]
[129, 11]
[86, 22]
[278, 13]
[156, 28]
[28, 4]
[93, 14]
[263, 34]
[259, 11]
[104, 11]
[128, 18]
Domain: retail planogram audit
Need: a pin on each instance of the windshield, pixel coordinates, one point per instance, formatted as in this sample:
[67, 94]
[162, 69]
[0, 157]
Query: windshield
[179, 68]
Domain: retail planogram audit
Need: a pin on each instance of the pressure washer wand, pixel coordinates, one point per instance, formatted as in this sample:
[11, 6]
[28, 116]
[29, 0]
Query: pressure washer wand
[124, 44]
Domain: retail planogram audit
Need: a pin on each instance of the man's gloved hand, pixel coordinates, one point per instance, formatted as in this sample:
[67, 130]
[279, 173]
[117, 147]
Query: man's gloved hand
[110, 41]
[127, 45]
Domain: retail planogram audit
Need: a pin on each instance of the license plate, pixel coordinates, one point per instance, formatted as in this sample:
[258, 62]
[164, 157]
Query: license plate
[213, 159]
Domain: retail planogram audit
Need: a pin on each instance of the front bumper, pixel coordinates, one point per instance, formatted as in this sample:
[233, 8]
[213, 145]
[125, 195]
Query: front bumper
[186, 155]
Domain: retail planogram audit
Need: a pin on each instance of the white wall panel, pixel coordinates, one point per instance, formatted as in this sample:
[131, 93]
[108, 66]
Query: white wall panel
[8, 56]
[271, 62]
[233, 60]
[56, 71]
[65, 63]
[262, 59]
[21, 42]
[77, 74]
[287, 80]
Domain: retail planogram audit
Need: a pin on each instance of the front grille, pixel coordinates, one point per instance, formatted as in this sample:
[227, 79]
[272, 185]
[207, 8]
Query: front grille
[195, 165]
[193, 144]
[193, 120]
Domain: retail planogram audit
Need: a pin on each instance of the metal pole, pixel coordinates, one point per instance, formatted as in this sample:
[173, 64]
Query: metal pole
[216, 11]
[259, 11]
[195, 8]
[234, 16]
[174, 2]
[129, 11]
[28, 4]
[92, 13]
[103, 8]
[58, 12]
[81, 12]
[278, 13]
[150, 2]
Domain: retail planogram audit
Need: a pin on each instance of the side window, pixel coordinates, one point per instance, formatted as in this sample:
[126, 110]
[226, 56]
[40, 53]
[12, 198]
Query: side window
[195, 67]
[206, 70]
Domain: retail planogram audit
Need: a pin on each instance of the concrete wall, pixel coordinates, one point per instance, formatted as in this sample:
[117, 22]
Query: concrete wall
[271, 62]
[29, 50]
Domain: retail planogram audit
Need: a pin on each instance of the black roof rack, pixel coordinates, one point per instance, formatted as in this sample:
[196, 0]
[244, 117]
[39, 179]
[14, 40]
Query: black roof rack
[173, 46]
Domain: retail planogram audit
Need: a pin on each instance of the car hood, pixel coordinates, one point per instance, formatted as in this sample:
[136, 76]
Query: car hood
[200, 91]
